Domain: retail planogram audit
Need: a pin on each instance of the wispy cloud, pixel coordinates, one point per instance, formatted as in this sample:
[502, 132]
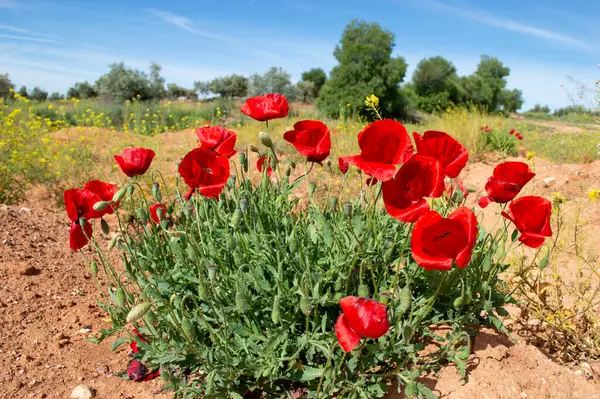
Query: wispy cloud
[7, 4]
[16, 29]
[486, 18]
[185, 24]
[30, 39]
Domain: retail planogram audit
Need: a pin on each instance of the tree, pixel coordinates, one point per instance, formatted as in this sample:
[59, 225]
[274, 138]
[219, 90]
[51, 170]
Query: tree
[56, 96]
[542, 109]
[122, 83]
[511, 100]
[229, 86]
[366, 67]
[494, 73]
[436, 84]
[83, 90]
[275, 80]
[23, 92]
[5, 86]
[306, 90]
[202, 88]
[317, 77]
[38, 94]
[175, 91]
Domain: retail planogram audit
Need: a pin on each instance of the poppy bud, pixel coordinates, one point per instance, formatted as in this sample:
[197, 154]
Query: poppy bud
[231, 181]
[130, 189]
[293, 164]
[188, 329]
[275, 311]
[293, 243]
[243, 204]
[112, 243]
[150, 319]
[138, 311]
[348, 209]
[329, 164]
[236, 218]
[265, 139]
[120, 297]
[407, 332]
[101, 205]
[142, 214]
[333, 202]
[338, 284]
[156, 192]
[94, 268]
[458, 302]
[241, 302]
[104, 226]
[305, 306]
[119, 195]
[487, 264]
[384, 298]
[405, 300]
[363, 291]
[544, 262]
[288, 171]
[311, 188]
[212, 272]
[255, 149]
[202, 290]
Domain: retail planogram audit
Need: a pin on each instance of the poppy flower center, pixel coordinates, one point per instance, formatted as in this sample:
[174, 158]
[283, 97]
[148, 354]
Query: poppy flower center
[445, 239]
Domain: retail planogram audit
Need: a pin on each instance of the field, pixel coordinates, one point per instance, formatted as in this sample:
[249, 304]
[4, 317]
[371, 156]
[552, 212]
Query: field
[551, 349]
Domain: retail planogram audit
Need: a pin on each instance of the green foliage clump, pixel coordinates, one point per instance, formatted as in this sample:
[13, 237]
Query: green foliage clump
[82, 90]
[5, 87]
[122, 83]
[317, 77]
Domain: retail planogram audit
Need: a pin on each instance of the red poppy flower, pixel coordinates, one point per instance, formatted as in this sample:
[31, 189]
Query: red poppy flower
[437, 241]
[135, 161]
[371, 181]
[79, 203]
[267, 107]
[418, 178]
[519, 136]
[205, 171]
[217, 139]
[453, 186]
[260, 164]
[105, 191]
[531, 216]
[506, 182]
[343, 165]
[383, 144]
[133, 347]
[136, 370]
[361, 318]
[439, 145]
[511, 131]
[154, 212]
[311, 139]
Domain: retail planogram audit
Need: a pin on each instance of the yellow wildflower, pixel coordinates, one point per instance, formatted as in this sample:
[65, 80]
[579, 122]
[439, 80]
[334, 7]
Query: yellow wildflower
[372, 101]
[594, 195]
[530, 156]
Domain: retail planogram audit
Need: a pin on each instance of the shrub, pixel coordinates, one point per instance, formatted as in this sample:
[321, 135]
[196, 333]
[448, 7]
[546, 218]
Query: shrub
[236, 286]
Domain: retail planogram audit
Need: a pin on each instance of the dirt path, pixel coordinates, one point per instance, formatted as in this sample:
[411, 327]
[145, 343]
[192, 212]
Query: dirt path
[48, 309]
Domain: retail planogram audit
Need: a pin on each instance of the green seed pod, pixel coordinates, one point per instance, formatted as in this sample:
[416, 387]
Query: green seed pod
[212, 272]
[120, 297]
[266, 372]
[241, 301]
[544, 262]
[384, 298]
[405, 299]
[347, 209]
[487, 264]
[130, 189]
[288, 171]
[188, 329]
[501, 251]
[333, 203]
[265, 139]
[156, 192]
[150, 319]
[338, 284]
[138, 311]
[312, 187]
[112, 242]
[243, 204]
[94, 268]
[141, 214]
[293, 164]
[242, 160]
[101, 205]
[236, 218]
[458, 302]
[104, 226]
[119, 195]
[363, 291]
[202, 290]
[254, 149]
[275, 311]
[305, 305]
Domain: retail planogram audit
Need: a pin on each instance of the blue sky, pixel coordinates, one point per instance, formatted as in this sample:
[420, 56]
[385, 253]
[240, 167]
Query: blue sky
[54, 44]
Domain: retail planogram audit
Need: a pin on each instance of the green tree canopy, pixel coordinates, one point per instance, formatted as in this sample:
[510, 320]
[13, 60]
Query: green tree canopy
[365, 66]
[83, 90]
[38, 94]
[122, 83]
[5, 86]
[23, 92]
[231, 86]
[275, 80]
[317, 77]
[436, 84]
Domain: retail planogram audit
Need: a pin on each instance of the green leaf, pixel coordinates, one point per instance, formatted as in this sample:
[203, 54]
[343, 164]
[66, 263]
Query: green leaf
[514, 235]
[307, 373]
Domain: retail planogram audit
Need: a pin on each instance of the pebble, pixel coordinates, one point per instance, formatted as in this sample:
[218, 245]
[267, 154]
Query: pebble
[83, 392]
[548, 181]
[30, 271]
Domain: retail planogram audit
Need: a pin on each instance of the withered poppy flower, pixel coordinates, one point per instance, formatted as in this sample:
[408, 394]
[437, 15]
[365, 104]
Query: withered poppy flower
[343, 165]
[455, 186]
[311, 139]
[260, 164]
[531, 216]
[205, 171]
[217, 139]
[439, 145]
[136, 370]
[361, 318]
[105, 191]
[79, 203]
[267, 107]
[404, 195]
[437, 242]
[135, 161]
[506, 182]
[383, 145]
[154, 212]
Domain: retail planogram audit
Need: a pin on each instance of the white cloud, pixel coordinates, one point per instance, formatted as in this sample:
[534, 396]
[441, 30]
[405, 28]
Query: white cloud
[30, 39]
[7, 4]
[186, 24]
[489, 19]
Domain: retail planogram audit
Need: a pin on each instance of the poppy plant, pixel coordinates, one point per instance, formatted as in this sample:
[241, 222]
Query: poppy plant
[439, 145]
[404, 195]
[455, 186]
[311, 139]
[205, 171]
[437, 242]
[266, 107]
[343, 165]
[383, 145]
[506, 182]
[79, 204]
[217, 139]
[105, 191]
[135, 161]
[361, 318]
[531, 216]
[154, 212]
[260, 164]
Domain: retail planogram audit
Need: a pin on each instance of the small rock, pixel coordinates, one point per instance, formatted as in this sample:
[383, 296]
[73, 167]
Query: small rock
[30, 271]
[24, 210]
[548, 181]
[60, 336]
[6, 241]
[83, 392]
[84, 330]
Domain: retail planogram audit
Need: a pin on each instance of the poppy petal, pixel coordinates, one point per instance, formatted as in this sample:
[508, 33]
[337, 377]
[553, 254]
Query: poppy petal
[347, 338]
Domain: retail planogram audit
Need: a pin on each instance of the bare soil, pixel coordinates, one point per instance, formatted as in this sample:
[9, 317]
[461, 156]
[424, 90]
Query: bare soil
[48, 309]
